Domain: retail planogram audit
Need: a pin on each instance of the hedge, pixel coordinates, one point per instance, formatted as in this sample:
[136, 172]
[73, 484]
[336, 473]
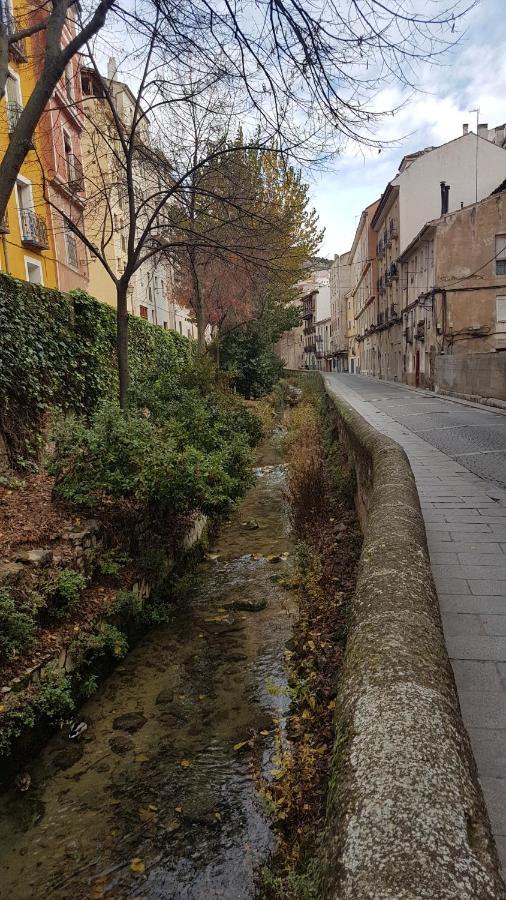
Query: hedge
[58, 351]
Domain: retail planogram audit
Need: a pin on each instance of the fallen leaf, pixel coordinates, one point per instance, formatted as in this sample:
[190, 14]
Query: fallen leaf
[137, 865]
[240, 745]
[185, 763]
[178, 809]
[153, 807]
[264, 732]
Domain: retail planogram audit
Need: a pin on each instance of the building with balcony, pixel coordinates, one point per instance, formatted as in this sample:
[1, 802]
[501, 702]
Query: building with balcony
[340, 283]
[454, 301]
[107, 216]
[61, 131]
[26, 242]
[430, 183]
[362, 299]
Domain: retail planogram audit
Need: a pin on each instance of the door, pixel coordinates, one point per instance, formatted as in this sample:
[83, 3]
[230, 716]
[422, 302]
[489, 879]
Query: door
[417, 368]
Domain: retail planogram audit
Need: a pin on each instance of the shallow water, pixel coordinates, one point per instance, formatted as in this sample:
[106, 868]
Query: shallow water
[174, 795]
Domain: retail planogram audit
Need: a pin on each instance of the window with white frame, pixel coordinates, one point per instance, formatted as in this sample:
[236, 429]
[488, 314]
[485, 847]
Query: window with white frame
[501, 310]
[33, 271]
[500, 254]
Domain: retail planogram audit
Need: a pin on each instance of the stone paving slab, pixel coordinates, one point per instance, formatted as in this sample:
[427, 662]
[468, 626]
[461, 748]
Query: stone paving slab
[465, 520]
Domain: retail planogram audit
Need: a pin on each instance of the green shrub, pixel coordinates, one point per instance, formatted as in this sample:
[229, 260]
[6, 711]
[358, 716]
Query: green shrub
[63, 592]
[127, 605]
[186, 449]
[108, 641]
[54, 698]
[17, 626]
[111, 563]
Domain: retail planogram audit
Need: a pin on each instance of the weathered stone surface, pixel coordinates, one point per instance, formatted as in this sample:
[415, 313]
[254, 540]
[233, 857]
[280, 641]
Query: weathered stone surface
[129, 722]
[248, 605]
[165, 696]
[121, 744]
[406, 815]
[35, 557]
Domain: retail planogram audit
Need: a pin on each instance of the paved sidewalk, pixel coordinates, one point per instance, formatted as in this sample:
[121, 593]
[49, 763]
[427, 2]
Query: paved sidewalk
[465, 520]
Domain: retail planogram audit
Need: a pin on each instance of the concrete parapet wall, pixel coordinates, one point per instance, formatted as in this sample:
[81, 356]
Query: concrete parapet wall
[474, 375]
[406, 816]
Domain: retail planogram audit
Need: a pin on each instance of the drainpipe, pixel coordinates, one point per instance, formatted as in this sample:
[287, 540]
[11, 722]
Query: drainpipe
[6, 254]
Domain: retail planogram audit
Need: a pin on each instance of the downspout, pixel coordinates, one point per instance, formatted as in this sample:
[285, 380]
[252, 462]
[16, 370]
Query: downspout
[6, 254]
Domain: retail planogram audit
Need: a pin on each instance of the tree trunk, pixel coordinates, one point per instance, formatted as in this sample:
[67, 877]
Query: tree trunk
[122, 343]
[200, 312]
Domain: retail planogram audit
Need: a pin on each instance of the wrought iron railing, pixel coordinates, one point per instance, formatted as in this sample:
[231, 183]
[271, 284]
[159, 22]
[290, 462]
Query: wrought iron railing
[12, 26]
[75, 174]
[14, 111]
[33, 229]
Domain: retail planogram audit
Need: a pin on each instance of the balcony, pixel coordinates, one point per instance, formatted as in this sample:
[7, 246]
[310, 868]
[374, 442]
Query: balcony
[14, 111]
[4, 225]
[393, 230]
[380, 252]
[408, 334]
[18, 49]
[393, 272]
[75, 182]
[33, 230]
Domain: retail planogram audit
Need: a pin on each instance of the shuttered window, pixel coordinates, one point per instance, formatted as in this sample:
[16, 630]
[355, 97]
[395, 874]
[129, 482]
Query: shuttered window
[500, 254]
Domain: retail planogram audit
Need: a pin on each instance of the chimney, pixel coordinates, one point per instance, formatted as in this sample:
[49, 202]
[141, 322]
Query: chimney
[445, 194]
[483, 130]
[112, 68]
[465, 128]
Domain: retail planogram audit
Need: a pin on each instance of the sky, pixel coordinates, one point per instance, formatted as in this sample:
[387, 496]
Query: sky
[474, 75]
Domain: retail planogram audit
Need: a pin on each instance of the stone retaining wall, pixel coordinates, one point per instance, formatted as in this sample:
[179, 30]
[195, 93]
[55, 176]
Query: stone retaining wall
[480, 376]
[406, 816]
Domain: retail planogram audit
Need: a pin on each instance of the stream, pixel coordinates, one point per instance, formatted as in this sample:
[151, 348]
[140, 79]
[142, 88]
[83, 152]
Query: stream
[157, 800]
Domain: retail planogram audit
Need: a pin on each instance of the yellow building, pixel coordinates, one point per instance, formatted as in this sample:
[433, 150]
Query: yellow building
[26, 245]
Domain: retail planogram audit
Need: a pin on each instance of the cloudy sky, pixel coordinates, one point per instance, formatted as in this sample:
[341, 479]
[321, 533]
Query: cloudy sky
[474, 76]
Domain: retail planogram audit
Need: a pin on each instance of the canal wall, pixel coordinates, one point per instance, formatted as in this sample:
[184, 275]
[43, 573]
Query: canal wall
[406, 815]
[25, 720]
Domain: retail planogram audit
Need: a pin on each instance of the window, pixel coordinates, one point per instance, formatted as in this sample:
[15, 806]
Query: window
[180, 327]
[14, 100]
[500, 254]
[71, 246]
[143, 312]
[69, 82]
[501, 310]
[33, 271]
[165, 325]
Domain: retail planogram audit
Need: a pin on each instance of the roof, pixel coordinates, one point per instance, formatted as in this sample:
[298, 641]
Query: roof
[500, 189]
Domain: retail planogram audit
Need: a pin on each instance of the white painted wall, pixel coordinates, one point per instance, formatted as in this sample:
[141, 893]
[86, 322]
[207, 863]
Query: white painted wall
[455, 163]
[323, 303]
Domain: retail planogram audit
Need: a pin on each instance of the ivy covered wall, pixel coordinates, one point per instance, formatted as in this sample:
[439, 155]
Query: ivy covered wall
[58, 351]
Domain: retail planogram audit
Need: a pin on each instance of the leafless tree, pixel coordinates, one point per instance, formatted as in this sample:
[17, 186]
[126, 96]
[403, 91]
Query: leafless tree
[49, 19]
[309, 73]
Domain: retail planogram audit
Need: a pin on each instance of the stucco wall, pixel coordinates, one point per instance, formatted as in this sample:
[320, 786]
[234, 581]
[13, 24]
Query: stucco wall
[474, 374]
[405, 814]
[455, 163]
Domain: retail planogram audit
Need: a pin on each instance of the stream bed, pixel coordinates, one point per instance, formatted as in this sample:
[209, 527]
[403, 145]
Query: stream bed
[157, 800]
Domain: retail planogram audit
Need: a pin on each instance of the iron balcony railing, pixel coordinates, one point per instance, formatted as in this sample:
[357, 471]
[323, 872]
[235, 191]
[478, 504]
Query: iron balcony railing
[18, 48]
[75, 174]
[4, 224]
[33, 230]
[14, 111]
